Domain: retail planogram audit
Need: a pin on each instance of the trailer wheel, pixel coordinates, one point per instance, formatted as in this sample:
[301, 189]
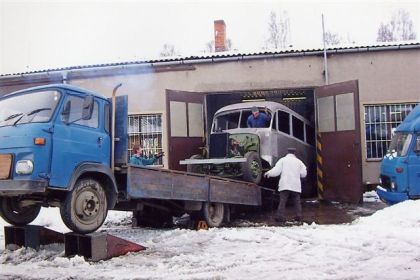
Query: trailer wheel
[85, 208]
[14, 214]
[195, 168]
[213, 213]
[252, 168]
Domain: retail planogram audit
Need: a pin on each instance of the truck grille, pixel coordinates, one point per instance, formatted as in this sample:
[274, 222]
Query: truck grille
[5, 166]
[386, 182]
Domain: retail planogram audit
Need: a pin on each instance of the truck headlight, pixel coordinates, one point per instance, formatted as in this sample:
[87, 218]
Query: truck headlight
[393, 186]
[24, 167]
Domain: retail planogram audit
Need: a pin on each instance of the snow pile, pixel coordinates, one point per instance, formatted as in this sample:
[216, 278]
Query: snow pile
[371, 196]
[382, 246]
[402, 215]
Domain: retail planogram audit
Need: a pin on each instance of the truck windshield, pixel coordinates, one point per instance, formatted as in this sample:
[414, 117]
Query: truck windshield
[399, 144]
[30, 107]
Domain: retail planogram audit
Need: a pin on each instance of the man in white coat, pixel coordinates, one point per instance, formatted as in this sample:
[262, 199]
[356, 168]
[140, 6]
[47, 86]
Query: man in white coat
[291, 170]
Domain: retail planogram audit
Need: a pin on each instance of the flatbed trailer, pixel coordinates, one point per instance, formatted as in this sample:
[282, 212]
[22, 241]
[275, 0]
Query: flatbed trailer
[155, 195]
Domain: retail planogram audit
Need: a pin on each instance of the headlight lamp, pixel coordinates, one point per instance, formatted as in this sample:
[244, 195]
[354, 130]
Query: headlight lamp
[24, 167]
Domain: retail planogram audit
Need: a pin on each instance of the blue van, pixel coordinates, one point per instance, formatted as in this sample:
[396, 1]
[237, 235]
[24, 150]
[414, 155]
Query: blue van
[400, 168]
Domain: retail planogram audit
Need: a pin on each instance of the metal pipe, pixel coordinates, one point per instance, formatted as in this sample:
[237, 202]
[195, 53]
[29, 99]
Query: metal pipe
[114, 93]
[325, 51]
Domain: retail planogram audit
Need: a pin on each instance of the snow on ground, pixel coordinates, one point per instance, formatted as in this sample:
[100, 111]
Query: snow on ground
[382, 246]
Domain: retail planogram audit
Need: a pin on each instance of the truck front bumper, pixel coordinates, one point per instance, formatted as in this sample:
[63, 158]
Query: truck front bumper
[22, 187]
[390, 197]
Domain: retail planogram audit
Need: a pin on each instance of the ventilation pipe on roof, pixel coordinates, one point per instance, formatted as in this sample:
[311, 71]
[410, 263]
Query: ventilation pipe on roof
[64, 76]
[325, 52]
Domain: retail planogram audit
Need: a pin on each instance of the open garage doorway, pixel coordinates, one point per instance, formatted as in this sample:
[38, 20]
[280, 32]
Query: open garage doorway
[332, 110]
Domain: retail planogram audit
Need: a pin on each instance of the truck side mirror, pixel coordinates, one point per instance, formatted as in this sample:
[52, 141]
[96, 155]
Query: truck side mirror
[65, 114]
[88, 103]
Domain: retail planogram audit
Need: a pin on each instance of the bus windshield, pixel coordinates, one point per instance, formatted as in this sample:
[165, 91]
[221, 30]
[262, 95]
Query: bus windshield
[30, 107]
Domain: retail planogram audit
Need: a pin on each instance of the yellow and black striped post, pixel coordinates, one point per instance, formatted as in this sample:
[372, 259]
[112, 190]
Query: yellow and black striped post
[319, 167]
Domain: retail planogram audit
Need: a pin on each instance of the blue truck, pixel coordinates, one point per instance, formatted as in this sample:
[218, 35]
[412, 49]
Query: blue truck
[400, 168]
[67, 147]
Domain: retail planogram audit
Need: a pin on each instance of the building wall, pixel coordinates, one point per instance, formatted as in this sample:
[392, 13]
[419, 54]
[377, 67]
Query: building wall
[384, 77]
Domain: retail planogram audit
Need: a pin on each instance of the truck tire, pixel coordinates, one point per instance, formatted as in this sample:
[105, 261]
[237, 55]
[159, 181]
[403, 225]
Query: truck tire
[12, 213]
[252, 168]
[195, 168]
[213, 213]
[85, 208]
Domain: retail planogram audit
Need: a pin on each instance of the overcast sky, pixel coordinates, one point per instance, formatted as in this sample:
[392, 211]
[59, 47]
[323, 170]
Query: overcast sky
[37, 35]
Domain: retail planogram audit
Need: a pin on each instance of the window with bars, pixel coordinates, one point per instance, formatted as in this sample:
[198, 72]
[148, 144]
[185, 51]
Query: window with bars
[380, 123]
[145, 130]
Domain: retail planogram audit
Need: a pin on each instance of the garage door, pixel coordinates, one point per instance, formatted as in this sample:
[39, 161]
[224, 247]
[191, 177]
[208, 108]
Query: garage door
[339, 166]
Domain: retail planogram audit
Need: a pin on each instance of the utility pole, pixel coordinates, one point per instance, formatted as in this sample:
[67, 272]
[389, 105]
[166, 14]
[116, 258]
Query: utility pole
[325, 51]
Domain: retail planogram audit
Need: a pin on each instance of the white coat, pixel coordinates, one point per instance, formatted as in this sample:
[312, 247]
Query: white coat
[291, 170]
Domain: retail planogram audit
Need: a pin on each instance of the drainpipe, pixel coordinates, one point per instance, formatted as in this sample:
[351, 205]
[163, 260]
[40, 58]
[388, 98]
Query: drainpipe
[325, 52]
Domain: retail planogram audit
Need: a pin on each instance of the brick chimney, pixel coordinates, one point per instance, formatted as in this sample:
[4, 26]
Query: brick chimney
[219, 35]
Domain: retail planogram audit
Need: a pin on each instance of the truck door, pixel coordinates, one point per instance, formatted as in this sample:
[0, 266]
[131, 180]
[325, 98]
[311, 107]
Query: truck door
[414, 168]
[339, 168]
[78, 140]
[185, 123]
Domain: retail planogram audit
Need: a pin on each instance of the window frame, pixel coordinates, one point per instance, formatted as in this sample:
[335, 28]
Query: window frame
[379, 122]
[96, 104]
[139, 140]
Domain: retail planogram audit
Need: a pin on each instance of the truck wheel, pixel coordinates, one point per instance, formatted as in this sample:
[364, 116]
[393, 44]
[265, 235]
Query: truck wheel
[195, 168]
[85, 208]
[252, 168]
[14, 214]
[213, 213]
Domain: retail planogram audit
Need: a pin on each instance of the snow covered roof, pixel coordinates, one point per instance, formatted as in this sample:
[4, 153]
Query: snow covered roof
[230, 56]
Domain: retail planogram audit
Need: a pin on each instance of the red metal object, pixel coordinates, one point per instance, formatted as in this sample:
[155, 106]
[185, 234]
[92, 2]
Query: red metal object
[30, 236]
[98, 246]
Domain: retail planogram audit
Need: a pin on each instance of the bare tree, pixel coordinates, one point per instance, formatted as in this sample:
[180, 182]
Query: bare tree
[384, 33]
[332, 39]
[399, 28]
[210, 46]
[278, 31]
[168, 50]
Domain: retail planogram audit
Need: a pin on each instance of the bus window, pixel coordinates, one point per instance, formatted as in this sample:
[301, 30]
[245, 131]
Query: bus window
[283, 122]
[297, 126]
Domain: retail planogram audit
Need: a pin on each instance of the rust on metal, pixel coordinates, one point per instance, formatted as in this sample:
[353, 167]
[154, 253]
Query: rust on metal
[98, 246]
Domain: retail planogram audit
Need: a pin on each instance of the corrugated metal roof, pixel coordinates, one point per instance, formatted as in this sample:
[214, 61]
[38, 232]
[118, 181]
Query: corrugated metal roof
[220, 56]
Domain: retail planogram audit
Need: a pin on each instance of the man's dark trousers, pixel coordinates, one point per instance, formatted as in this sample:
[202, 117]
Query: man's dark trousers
[284, 196]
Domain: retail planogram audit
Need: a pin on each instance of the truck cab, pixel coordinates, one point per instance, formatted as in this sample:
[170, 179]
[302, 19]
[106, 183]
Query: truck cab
[55, 150]
[400, 168]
